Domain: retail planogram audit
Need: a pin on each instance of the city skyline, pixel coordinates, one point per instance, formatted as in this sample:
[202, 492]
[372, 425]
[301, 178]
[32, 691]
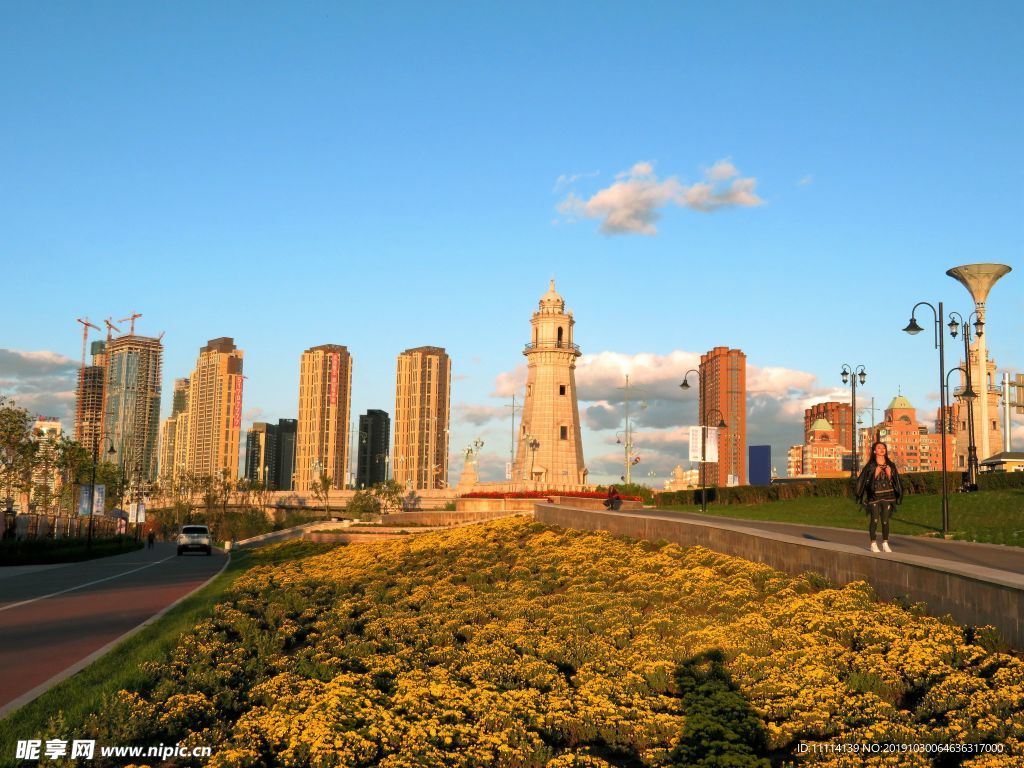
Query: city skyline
[785, 181]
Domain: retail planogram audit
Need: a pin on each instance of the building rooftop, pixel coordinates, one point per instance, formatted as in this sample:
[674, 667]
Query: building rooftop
[899, 402]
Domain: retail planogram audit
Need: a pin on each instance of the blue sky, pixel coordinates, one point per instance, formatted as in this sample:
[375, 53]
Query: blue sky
[387, 175]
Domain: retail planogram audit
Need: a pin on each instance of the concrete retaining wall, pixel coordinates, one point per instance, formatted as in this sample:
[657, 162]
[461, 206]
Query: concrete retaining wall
[972, 595]
[452, 518]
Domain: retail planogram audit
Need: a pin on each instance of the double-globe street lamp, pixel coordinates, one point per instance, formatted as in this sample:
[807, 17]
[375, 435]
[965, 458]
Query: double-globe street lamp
[913, 328]
[851, 374]
[972, 449]
[705, 418]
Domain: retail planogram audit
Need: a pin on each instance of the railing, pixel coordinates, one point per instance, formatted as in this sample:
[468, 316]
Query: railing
[33, 526]
[551, 345]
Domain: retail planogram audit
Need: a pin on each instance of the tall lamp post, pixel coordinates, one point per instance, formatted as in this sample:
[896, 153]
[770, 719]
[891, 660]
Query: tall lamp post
[706, 417]
[851, 374]
[913, 329]
[92, 487]
[972, 448]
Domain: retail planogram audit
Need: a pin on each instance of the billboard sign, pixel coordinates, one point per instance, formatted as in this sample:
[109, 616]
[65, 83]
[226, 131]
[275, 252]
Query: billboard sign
[98, 499]
[710, 447]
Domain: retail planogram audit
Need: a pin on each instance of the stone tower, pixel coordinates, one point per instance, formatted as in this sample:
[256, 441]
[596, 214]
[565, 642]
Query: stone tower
[550, 450]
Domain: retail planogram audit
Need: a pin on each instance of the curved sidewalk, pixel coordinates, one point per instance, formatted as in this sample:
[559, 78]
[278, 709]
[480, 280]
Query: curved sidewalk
[977, 584]
[55, 620]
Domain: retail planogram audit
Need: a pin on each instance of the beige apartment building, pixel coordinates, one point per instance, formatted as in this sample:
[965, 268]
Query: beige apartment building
[171, 464]
[550, 448]
[214, 412]
[325, 402]
[422, 410]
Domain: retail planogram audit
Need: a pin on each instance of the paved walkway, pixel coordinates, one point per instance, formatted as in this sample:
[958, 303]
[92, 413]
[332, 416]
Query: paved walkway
[54, 619]
[995, 556]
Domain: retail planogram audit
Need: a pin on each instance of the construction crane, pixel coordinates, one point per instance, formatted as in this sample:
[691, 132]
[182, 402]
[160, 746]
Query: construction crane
[131, 318]
[110, 327]
[86, 325]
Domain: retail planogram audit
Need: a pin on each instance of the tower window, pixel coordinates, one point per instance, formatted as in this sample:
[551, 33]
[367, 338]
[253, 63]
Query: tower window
[563, 433]
[559, 335]
[561, 389]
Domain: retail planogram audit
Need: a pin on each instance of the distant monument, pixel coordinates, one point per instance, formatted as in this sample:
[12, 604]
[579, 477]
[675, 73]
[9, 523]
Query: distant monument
[550, 448]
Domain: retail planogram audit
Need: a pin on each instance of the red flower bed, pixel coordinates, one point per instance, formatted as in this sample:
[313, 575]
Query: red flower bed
[542, 495]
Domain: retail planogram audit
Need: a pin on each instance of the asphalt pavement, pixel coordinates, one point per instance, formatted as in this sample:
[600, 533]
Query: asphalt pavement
[54, 619]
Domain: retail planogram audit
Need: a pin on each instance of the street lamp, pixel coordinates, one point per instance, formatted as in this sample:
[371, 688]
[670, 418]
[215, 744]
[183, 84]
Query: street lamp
[913, 329]
[92, 488]
[852, 374]
[972, 449]
[704, 442]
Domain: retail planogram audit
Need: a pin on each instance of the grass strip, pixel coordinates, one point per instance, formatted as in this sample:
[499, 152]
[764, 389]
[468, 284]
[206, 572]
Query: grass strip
[71, 700]
[995, 517]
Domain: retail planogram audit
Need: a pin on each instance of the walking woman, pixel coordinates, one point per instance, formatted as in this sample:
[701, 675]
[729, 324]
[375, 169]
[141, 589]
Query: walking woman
[879, 489]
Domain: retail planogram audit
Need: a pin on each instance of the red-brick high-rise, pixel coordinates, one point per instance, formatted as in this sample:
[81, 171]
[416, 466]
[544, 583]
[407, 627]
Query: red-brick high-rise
[723, 397]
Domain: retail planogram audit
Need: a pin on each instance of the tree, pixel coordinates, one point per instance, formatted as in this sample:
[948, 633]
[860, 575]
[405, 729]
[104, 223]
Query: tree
[389, 496]
[17, 451]
[364, 504]
[321, 488]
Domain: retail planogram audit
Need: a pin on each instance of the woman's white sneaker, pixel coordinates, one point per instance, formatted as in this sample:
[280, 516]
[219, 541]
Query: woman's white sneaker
[874, 547]
[885, 547]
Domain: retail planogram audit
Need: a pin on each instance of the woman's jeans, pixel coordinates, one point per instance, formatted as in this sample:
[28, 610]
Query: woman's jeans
[880, 510]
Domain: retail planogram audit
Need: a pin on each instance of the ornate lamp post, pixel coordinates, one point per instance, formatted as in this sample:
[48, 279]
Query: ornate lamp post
[851, 374]
[704, 442]
[972, 448]
[913, 328]
[92, 486]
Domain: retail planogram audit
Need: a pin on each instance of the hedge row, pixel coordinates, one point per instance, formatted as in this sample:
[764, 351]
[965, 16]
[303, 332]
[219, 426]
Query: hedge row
[916, 482]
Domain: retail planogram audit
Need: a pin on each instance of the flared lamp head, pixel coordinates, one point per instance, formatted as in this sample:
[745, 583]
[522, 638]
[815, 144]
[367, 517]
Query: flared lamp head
[978, 278]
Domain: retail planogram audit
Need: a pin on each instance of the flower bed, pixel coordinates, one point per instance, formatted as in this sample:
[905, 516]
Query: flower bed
[517, 645]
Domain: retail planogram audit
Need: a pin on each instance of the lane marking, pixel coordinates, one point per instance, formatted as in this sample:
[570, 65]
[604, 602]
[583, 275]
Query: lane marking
[87, 584]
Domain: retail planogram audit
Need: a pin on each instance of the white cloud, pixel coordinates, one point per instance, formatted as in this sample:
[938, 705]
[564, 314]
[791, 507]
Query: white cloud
[510, 382]
[806, 181]
[42, 382]
[633, 203]
[568, 179]
[660, 411]
[479, 415]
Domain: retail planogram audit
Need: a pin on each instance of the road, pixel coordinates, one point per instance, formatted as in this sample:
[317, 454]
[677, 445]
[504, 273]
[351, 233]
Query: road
[52, 618]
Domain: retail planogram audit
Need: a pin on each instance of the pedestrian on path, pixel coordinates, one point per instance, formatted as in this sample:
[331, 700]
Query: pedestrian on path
[150, 538]
[879, 489]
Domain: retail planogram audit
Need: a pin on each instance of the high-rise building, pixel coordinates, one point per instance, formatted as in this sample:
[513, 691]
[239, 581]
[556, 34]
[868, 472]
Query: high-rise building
[89, 399]
[170, 467]
[46, 431]
[325, 401]
[214, 413]
[723, 397]
[374, 448]
[910, 445]
[823, 454]
[261, 453]
[422, 407]
[282, 471]
[132, 411]
[838, 415]
[550, 448]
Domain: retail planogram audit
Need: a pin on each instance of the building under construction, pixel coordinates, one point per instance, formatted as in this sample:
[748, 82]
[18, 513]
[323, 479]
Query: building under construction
[132, 409]
[89, 400]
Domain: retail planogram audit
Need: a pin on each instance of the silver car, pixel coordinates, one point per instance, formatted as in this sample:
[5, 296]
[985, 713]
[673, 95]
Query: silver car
[194, 538]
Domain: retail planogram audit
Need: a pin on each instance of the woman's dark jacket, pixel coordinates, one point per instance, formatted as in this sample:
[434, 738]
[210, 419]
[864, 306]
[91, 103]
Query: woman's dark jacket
[864, 491]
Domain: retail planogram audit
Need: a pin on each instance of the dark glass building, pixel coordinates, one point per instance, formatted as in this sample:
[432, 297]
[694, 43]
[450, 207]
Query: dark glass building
[374, 445]
[284, 467]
